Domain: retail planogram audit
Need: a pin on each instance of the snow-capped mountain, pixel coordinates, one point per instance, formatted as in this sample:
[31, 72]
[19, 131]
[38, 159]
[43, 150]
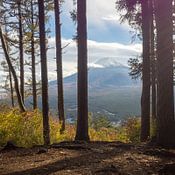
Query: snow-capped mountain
[108, 62]
[110, 89]
[105, 72]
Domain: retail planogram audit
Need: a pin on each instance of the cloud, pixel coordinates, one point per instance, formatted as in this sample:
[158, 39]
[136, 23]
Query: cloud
[96, 50]
[99, 14]
[102, 16]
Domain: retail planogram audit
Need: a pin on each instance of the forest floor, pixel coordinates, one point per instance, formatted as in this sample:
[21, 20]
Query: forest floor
[95, 158]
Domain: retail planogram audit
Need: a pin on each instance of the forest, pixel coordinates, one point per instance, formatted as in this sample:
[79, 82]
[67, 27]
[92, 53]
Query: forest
[33, 141]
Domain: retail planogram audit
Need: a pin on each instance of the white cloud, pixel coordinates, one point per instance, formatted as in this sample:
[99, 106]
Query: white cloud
[99, 13]
[94, 65]
[96, 50]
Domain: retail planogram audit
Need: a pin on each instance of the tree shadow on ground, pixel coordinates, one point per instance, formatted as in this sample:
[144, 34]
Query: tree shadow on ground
[96, 156]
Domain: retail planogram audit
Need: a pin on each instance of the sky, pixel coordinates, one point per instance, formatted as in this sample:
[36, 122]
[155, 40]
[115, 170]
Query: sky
[106, 37]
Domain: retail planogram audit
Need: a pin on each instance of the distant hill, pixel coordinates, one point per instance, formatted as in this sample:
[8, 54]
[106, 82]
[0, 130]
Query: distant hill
[112, 92]
[102, 74]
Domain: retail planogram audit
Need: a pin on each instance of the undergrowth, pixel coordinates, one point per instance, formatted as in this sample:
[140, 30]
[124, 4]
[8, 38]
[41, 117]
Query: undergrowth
[25, 129]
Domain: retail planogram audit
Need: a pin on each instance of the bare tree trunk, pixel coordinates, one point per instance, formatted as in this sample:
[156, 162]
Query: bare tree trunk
[11, 89]
[153, 62]
[10, 76]
[44, 76]
[20, 102]
[145, 101]
[34, 91]
[21, 51]
[165, 92]
[59, 66]
[82, 121]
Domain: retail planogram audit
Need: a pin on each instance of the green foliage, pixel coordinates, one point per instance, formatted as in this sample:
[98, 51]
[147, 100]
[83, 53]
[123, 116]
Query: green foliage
[103, 134]
[99, 121]
[132, 128]
[101, 129]
[135, 68]
[26, 130]
[23, 129]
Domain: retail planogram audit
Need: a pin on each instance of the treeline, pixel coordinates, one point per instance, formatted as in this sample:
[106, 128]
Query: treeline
[153, 21]
[24, 38]
[23, 32]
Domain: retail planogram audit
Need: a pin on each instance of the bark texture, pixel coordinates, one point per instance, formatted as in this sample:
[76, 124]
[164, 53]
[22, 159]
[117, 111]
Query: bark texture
[82, 121]
[165, 104]
[145, 99]
[59, 66]
[44, 75]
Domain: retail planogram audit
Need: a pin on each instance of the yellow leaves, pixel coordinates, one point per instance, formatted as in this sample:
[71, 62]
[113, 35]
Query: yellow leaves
[26, 129]
[132, 128]
[23, 129]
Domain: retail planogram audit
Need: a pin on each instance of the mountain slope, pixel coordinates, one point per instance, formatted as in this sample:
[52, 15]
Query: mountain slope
[105, 73]
[111, 91]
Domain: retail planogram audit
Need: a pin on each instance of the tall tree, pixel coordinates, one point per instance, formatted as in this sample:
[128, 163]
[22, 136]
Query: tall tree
[145, 99]
[8, 84]
[137, 18]
[21, 49]
[9, 72]
[16, 84]
[44, 75]
[165, 95]
[59, 65]
[82, 120]
[11, 89]
[153, 61]
[34, 90]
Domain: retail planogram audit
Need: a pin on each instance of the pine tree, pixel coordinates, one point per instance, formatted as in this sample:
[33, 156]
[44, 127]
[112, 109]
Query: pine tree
[145, 99]
[21, 49]
[4, 47]
[153, 63]
[44, 75]
[82, 121]
[165, 94]
[59, 65]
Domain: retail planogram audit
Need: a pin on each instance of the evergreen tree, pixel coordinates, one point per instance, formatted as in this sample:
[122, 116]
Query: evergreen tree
[145, 99]
[82, 121]
[44, 75]
[20, 101]
[21, 48]
[165, 94]
[59, 65]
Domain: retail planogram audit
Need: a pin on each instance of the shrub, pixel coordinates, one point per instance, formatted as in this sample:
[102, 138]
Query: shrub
[132, 128]
[99, 121]
[26, 129]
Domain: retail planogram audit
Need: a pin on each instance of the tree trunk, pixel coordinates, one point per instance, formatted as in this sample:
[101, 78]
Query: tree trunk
[145, 99]
[20, 102]
[34, 91]
[82, 121]
[44, 76]
[11, 89]
[10, 75]
[165, 94]
[153, 62]
[59, 66]
[21, 51]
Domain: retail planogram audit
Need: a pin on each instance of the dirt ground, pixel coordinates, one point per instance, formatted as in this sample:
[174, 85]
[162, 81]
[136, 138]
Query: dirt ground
[95, 158]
